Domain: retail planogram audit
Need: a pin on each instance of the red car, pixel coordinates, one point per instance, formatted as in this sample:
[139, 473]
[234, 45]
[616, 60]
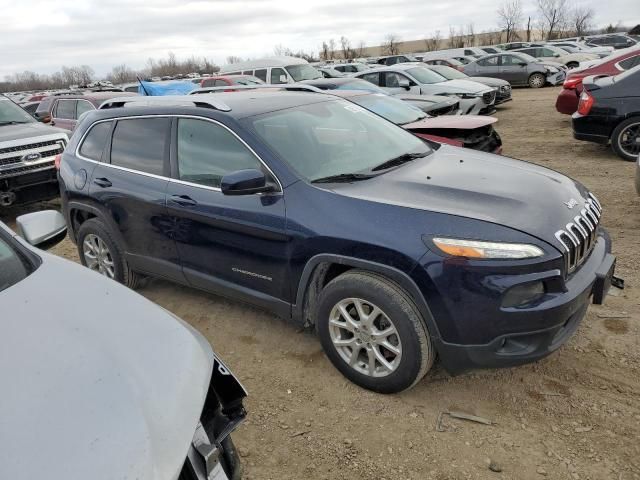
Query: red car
[612, 65]
[224, 80]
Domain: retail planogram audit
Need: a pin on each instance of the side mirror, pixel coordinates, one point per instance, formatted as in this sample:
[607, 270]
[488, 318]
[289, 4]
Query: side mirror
[245, 182]
[43, 117]
[42, 229]
[556, 55]
[404, 83]
[283, 79]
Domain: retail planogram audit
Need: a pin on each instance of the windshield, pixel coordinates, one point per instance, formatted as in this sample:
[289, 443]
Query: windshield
[13, 268]
[332, 138]
[303, 72]
[425, 76]
[360, 85]
[11, 113]
[393, 109]
[448, 72]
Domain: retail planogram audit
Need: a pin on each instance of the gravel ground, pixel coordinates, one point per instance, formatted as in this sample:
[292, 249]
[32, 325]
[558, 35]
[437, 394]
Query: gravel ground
[575, 414]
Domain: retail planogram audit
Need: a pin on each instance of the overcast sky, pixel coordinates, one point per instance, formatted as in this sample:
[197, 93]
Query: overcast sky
[43, 35]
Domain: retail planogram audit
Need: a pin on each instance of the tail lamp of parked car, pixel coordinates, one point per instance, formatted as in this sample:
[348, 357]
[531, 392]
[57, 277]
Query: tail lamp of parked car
[585, 103]
[572, 83]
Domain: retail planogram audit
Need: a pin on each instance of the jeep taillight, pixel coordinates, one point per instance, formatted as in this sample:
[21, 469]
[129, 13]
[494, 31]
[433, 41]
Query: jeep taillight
[585, 104]
[57, 160]
[571, 83]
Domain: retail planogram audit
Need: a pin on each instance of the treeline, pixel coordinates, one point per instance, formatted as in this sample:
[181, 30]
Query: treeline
[84, 74]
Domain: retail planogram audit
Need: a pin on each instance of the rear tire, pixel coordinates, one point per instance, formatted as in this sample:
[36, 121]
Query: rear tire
[93, 234]
[362, 347]
[625, 139]
[537, 80]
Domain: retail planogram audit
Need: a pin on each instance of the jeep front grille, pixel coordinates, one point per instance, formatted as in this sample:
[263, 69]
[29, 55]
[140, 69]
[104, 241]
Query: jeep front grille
[579, 237]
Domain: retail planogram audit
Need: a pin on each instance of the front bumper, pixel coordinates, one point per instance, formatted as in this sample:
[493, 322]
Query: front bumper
[522, 335]
[556, 78]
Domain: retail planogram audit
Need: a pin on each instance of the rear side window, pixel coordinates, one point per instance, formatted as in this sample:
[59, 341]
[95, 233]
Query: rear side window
[630, 62]
[275, 75]
[95, 141]
[141, 144]
[372, 78]
[209, 82]
[207, 152]
[84, 106]
[488, 62]
[66, 109]
[261, 74]
[221, 83]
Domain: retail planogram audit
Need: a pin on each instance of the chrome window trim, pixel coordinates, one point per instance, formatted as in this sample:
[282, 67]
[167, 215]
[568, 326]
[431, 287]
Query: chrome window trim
[172, 180]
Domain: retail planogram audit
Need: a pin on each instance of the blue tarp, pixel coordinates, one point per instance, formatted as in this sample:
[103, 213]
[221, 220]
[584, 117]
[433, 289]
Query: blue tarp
[166, 88]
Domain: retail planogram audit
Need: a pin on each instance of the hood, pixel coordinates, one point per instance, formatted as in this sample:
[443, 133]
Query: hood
[434, 99]
[460, 122]
[492, 82]
[492, 188]
[29, 130]
[111, 384]
[456, 86]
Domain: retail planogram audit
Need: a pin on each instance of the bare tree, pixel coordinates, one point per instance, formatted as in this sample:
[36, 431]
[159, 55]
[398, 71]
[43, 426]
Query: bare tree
[470, 38]
[581, 20]
[553, 17]
[433, 43]
[361, 50]
[345, 46]
[510, 17]
[233, 59]
[391, 44]
[121, 74]
[324, 51]
[332, 49]
[529, 29]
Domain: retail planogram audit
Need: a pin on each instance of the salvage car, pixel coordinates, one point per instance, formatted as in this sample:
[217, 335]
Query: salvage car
[567, 101]
[517, 69]
[502, 87]
[27, 153]
[274, 70]
[417, 79]
[609, 112]
[123, 387]
[470, 131]
[549, 53]
[434, 105]
[329, 215]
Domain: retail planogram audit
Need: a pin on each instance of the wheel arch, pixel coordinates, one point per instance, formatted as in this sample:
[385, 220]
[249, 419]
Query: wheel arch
[323, 268]
[79, 212]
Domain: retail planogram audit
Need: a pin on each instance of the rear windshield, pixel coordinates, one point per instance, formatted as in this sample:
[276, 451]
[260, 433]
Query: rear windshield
[303, 72]
[13, 267]
[425, 76]
[10, 113]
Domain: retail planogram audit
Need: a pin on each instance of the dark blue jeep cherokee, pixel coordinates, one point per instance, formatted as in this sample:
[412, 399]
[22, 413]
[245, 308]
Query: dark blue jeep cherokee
[396, 250]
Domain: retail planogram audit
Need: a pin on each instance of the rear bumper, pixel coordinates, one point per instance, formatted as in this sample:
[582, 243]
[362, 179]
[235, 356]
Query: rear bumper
[550, 323]
[591, 137]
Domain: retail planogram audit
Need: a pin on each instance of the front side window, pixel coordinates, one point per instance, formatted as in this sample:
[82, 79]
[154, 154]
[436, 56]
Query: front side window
[372, 78]
[303, 72]
[66, 109]
[83, 106]
[393, 79]
[95, 141]
[425, 76]
[333, 137]
[276, 74]
[208, 151]
[140, 144]
[13, 267]
[261, 74]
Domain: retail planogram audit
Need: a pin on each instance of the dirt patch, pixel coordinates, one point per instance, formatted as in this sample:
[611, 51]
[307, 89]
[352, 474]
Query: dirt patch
[586, 429]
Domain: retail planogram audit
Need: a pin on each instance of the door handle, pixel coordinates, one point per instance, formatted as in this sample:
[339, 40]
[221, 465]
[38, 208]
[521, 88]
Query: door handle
[102, 182]
[183, 200]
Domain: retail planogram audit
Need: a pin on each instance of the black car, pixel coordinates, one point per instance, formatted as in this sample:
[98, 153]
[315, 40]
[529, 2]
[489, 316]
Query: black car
[331, 216]
[609, 111]
[616, 41]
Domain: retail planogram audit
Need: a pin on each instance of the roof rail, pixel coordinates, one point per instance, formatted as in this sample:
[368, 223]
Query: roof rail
[168, 100]
[291, 87]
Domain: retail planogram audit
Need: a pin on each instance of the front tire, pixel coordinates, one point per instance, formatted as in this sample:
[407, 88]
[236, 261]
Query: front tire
[537, 80]
[99, 251]
[373, 333]
[625, 139]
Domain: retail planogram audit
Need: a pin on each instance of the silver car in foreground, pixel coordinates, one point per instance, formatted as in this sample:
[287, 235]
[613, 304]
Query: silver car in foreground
[98, 382]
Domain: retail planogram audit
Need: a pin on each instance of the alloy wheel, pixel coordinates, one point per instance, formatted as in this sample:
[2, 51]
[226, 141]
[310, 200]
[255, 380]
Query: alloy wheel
[97, 255]
[629, 140]
[365, 337]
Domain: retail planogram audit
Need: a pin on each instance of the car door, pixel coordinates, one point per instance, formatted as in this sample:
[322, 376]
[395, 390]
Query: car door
[64, 113]
[393, 80]
[130, 185]
[512, 69]
[230, 244]
[485, 67]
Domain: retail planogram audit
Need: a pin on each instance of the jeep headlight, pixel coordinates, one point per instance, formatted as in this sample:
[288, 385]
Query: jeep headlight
[486, 250]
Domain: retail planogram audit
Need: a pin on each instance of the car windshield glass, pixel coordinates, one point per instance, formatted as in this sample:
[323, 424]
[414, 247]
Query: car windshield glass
[360, 85]
[525, 56]
[10, 113]
[393, 109]
[13, 267]
[303, 72]
[336, 137]
[448, 72]
[424, 75]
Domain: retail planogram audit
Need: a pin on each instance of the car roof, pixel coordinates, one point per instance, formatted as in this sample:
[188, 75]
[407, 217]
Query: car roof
[391, 68]
[262, 63]
[240, 104]
[333, 81]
